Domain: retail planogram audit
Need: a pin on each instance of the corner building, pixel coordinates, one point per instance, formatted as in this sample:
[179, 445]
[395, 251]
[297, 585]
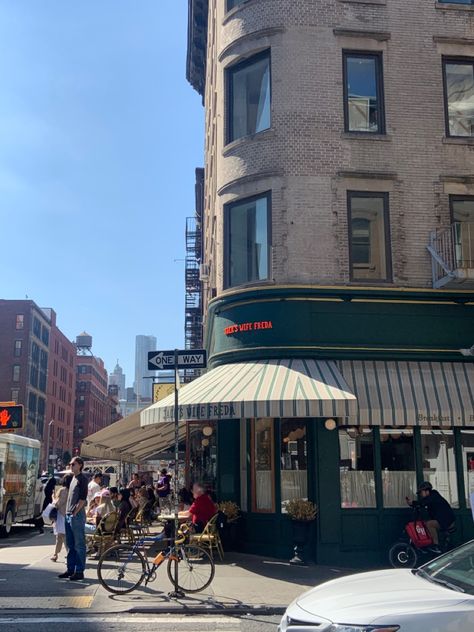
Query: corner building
[338, 263]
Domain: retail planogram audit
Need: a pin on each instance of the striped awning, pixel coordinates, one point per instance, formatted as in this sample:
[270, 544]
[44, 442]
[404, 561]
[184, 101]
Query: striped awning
[126, 440]
[264, 388]
[412, 393]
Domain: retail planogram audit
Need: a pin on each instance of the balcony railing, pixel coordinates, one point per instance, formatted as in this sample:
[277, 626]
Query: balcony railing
[452, 252]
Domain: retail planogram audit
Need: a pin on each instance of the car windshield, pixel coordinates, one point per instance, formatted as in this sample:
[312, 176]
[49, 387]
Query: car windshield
[454, 569]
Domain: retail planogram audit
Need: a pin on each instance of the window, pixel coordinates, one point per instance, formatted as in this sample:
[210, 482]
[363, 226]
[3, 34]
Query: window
[37, 328]
[45, 335]
[456, 1]
[263, 463]
[369, 236]
[247, 257]
[439, 464]
[459, 96]
[467, 444]
[201, 453]
[356, 467]
[16, 373]
[293, 459]
[249, 99]
[233, 3]
[462, 210]
[19, 321]
[17, 348]
[15, 393]
[398, 466]
[363, 93]
[34, 373]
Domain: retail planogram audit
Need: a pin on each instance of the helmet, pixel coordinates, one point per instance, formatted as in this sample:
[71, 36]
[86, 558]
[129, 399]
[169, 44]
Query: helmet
[425, 486]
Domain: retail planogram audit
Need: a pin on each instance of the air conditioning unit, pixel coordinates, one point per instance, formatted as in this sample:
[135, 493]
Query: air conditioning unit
[204, 272]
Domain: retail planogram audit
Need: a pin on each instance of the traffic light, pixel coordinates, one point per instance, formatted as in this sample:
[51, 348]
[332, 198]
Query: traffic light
[11, 417]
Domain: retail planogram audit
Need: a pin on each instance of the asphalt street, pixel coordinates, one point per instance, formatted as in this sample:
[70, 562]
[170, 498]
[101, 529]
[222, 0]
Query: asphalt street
[138, 623]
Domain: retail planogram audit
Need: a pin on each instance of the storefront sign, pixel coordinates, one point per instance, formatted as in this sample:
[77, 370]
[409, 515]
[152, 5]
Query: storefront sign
[433, 419]
[244, 327]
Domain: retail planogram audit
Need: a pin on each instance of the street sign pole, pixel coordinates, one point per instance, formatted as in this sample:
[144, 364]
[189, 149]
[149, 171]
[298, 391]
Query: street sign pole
[177, 593]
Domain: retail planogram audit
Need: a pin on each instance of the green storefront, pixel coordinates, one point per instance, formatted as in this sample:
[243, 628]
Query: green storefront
[405, 412]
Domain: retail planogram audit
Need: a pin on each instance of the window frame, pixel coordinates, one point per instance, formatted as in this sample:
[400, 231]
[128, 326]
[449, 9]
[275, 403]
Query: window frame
[378, 56]
[229, 93]
[388, 243]
[448, 59]
[458, 198]
[227, 237]
[237, 3]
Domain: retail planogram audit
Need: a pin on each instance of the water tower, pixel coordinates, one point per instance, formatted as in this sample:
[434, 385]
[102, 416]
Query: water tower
[84, 344]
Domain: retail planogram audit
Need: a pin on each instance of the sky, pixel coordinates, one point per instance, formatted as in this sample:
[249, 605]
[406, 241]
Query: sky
[100, 135]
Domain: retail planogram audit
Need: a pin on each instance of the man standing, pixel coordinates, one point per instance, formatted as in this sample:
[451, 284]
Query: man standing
[75, 523]
[94, 486]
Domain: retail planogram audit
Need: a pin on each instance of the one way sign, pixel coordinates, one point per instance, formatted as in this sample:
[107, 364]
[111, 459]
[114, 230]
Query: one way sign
[195, 359]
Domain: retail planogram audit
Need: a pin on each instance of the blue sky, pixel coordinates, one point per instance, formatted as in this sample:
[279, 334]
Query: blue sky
[99, 138]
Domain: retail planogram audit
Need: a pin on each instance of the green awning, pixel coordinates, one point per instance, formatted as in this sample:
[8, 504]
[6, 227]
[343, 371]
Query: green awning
[264, 388]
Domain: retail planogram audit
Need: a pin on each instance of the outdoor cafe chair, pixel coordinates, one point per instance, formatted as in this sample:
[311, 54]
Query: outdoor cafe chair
[104, 535]
[209, 539]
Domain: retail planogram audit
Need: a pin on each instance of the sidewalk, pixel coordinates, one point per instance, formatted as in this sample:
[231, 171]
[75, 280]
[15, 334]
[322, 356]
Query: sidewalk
[242, 583]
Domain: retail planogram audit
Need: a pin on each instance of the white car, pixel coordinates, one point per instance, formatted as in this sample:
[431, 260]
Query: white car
[437, 597]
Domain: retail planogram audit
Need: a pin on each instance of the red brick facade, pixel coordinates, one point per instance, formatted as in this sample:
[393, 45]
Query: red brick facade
[93, 410]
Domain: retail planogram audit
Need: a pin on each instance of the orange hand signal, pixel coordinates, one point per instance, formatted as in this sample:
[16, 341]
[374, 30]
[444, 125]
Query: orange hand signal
[4, 417]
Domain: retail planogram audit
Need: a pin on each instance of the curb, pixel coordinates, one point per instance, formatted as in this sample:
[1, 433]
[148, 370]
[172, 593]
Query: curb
[241, 609]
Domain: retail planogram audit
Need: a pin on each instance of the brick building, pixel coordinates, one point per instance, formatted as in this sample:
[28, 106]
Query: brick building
[338, 264]
[24, 352]
[61, 392]
[92, 410]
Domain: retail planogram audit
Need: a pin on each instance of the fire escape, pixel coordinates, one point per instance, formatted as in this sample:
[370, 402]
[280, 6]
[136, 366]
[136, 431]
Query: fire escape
[193, 297]
[452, 256]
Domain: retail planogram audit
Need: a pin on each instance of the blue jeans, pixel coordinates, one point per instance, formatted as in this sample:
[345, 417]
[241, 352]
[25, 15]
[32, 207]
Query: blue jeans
[76, 542]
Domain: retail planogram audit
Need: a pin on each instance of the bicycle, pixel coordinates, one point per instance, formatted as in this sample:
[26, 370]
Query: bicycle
[416, 546]
[124, 567]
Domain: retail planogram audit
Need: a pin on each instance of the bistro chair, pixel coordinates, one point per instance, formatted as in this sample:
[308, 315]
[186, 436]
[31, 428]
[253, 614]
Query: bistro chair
[209, 539]
[104, 535]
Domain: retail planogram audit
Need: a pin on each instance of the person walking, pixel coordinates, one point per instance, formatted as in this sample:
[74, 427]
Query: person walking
[59, 525]
[163, 489]
[75, 522]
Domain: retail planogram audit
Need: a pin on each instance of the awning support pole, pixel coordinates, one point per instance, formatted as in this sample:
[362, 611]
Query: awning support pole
[177, 593]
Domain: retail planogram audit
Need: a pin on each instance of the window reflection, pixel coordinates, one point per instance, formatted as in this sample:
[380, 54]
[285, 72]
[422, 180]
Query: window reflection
[398, 466]
[356, 466]
[293, 460]
[467, 443]
[363, 93]
[460, 97]
[202, 454]
[263, 464]
[439, 465]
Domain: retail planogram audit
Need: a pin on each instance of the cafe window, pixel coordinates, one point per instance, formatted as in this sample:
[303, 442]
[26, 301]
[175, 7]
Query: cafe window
[263, 464]
[459, 96]
[248, 93]
[369, 237]
[201, 456]
[247, 240]
[398, 466]
[356, 467]
[363, 93]
[293, 460]
[467, 445]
[439, 463]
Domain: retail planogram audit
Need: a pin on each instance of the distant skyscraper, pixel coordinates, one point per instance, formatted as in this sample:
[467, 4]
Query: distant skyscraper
[117, 378]
[143, 344]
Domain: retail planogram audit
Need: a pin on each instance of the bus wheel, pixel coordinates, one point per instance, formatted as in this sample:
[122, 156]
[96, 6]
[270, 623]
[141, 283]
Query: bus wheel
[6, 528]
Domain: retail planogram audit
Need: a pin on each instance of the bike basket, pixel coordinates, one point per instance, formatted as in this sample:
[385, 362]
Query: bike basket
[419, 534]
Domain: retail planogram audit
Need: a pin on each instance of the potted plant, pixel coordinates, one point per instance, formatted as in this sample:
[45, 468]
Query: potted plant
[302, 513]
[230, 513]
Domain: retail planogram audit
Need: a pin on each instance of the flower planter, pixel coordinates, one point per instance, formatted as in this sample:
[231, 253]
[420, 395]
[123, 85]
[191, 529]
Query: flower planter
[301, 531]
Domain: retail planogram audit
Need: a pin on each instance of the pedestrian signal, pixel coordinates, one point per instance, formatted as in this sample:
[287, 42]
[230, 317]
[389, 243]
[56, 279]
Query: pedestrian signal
[11, 417]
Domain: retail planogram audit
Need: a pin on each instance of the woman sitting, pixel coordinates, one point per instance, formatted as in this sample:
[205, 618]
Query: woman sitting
[124, 509]
[104, 507]
[92, 509]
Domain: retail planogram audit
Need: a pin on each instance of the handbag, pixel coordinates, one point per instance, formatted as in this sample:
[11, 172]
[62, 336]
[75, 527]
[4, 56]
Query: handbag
[50, 512]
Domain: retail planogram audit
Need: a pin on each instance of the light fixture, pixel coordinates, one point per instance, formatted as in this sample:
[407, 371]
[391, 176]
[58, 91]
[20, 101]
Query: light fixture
[330, 424]
[205, 442]
[207, 431]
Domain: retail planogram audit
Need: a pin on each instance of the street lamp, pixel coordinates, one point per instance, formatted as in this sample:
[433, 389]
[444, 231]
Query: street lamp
[47, 443]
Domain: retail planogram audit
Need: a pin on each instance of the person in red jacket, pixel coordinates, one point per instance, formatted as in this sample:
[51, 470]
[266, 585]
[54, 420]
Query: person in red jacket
[201, 510]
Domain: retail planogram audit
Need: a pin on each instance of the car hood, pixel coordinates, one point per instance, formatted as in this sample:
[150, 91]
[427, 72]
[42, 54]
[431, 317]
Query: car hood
[364, 597]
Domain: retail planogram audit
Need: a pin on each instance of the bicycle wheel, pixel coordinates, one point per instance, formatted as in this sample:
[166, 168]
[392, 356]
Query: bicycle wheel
[195, 569]
[403, 555]
[121, 569]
